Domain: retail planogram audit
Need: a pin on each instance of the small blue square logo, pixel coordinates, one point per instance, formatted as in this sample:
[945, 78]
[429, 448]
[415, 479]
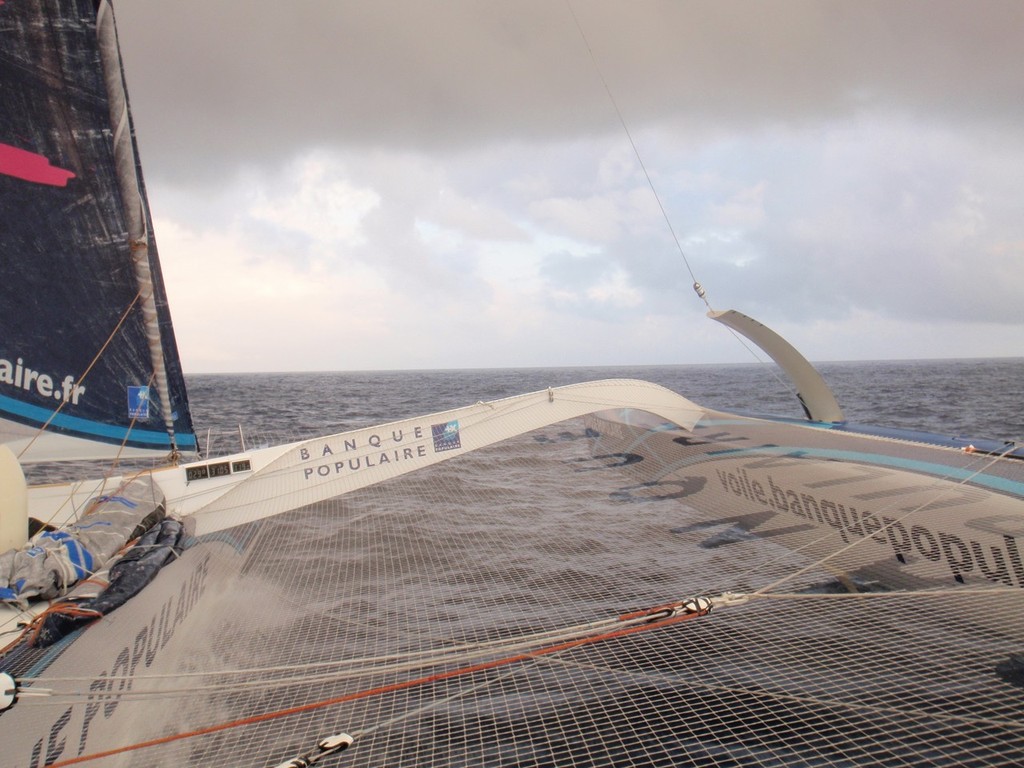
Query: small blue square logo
[138, 402]
[446, 436]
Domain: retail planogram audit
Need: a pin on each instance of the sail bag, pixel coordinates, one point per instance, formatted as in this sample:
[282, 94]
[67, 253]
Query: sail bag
[50, 564]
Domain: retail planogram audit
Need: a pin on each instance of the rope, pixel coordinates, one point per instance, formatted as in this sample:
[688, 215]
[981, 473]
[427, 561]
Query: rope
[384, 689]
[372, 666]
[110, 338]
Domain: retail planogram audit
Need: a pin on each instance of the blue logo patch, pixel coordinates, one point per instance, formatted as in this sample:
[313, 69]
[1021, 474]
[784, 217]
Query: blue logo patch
[446, 436]
[138, 402]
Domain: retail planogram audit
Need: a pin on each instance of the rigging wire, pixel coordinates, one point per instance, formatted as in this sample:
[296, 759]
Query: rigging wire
[636, 622]
[373, 667]
[697, 287]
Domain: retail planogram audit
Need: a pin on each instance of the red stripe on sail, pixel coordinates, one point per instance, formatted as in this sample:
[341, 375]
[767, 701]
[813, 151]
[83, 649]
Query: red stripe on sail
[31, 167]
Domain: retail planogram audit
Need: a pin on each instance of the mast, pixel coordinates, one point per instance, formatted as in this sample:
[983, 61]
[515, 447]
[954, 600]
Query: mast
[128, 181]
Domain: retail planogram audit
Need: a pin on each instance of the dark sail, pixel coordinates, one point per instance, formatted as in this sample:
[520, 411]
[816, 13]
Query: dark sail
[78, 353]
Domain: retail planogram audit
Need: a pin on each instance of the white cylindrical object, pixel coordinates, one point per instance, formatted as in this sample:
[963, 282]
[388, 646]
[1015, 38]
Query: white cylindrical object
[13, 502]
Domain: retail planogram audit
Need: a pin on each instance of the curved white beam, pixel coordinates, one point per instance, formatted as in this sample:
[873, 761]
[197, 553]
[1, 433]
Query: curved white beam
[314, 470]
[814, 394]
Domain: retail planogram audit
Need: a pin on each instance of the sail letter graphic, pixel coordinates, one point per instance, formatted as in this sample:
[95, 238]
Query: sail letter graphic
[31, 167]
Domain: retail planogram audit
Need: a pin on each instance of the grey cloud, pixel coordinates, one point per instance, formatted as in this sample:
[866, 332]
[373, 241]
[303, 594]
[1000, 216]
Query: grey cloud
[816, 159]
[223, 82]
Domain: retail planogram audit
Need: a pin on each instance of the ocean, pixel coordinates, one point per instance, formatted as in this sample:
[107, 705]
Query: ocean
[973, 398]
[488, 554]
[976, 398]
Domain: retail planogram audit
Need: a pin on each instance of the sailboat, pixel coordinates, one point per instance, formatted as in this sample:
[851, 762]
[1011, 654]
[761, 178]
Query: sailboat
[604, 573]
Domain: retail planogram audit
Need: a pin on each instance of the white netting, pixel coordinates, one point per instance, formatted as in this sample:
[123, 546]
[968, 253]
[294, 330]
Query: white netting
[402, 614]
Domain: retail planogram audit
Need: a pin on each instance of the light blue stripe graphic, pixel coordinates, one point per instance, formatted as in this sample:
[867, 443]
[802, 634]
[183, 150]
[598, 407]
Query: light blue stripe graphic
[85, 427]
[939, 470]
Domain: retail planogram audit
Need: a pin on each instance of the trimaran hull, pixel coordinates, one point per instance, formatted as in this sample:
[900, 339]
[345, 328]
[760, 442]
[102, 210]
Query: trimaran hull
[860, 513]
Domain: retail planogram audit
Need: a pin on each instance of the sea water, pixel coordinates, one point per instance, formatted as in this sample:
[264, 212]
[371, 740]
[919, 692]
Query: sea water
[973, 398]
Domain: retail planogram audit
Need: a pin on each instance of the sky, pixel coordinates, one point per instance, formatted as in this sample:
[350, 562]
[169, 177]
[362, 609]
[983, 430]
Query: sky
[400, 184]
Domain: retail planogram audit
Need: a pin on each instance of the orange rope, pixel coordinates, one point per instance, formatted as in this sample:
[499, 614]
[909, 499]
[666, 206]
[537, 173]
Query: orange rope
[35, 625]
[426, 680]
[62, 608]
[21, 635]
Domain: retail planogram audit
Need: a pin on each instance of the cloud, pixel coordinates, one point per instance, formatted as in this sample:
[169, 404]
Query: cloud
[407, 74]
[407, 184]
[314, 202]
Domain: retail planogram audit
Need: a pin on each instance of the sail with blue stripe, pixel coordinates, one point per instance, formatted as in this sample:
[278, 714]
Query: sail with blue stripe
[89, 367]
